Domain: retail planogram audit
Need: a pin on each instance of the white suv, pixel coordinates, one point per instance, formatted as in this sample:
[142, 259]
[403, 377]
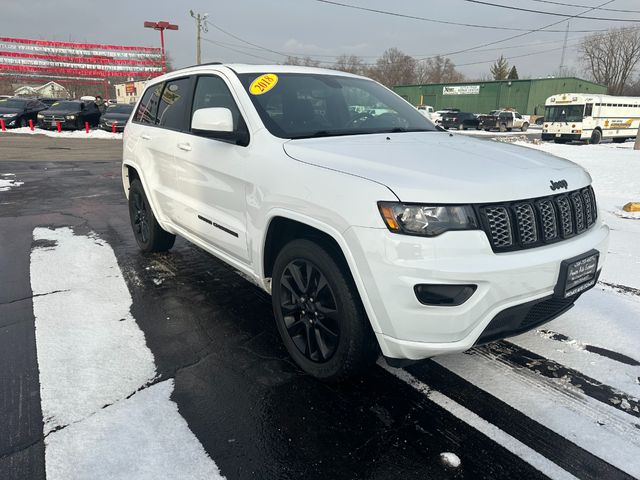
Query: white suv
[372, 230]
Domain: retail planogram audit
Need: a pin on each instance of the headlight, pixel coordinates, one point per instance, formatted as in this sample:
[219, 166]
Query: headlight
[40, 115]
[70, 117]
[427, 220]
[9, 115]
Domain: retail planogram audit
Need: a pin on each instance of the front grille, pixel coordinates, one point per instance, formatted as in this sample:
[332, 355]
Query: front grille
[54, 118]
[530, 223]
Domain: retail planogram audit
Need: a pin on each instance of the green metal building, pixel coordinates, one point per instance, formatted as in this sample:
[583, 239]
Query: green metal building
[525, 96]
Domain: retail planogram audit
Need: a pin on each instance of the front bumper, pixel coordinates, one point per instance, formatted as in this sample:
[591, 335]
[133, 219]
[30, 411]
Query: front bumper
[569, 137]
[107, 127]
[390, 265]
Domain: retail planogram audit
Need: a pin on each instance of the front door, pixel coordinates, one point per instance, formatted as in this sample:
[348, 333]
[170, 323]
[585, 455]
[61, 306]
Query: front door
[211, 177]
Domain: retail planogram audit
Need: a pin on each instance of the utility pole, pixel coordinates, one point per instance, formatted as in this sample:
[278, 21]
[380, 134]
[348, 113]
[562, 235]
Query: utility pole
[564, 51]
[201, 26]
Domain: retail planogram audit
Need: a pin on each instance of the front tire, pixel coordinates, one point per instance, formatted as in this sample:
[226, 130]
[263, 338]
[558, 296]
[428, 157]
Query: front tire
[319, 314]
[525, 126]
[596, 137]
[148, 233]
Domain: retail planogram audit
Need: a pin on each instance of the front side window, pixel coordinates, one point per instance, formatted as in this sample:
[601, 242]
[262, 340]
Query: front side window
[212, 92]
[173, 104]
[588, 110]
[146, 113]
[317, 105]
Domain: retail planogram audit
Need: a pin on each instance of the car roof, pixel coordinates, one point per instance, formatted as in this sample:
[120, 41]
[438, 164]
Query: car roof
[240, 68]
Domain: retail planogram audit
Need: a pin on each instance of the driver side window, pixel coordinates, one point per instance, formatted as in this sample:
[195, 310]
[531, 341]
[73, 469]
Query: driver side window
[212, 92]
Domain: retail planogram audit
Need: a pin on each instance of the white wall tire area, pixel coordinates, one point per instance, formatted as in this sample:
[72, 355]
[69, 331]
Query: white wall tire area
[148, 233]
[319, 314]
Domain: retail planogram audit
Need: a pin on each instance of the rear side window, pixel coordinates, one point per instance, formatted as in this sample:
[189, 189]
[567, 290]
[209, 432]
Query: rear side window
[148, 107]
[588, 110]
[174, 104]
[213, 92]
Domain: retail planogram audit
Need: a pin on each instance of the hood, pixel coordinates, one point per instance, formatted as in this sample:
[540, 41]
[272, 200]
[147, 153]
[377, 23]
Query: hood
[438, 167]
[62, 111]
[11, 110]
[119, 117]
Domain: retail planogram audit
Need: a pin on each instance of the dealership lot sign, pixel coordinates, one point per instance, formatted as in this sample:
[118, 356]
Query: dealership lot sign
[461, 90]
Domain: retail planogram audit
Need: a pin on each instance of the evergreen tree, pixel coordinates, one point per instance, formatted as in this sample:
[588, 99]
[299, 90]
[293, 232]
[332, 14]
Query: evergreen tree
[500, 69]
[513, 73]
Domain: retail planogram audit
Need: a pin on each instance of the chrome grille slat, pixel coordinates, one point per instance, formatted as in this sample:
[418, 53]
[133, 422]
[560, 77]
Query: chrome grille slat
[529, 223]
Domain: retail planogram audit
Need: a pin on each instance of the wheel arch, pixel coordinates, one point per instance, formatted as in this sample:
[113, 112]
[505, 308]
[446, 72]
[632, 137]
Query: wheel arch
[286, 226]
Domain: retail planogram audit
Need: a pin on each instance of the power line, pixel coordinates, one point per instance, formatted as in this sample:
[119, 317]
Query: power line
[432, 20]
[220, 44]
[585, 6]
[564, 15]
[514, 57]
[520, 35]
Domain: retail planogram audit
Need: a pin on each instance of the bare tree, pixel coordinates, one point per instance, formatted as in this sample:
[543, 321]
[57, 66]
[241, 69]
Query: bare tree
[303, 61]
[500, 69]
[611, 57]
[394, 68]
[438, 70]
[350, 64]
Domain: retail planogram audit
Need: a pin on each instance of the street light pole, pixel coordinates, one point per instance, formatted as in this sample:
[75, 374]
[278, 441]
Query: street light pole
[201, 26]
[161, 26]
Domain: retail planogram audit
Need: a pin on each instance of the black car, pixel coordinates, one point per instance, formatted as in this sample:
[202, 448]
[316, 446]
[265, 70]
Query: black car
[72, 114]
[117, 114]
[459, 120]
[16, 112]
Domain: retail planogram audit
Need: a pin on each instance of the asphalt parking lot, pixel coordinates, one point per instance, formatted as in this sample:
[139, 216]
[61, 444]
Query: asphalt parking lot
[213, 344]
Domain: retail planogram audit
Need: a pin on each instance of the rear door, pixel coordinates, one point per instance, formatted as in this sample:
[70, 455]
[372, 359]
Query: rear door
[211, 175]
[146, 144]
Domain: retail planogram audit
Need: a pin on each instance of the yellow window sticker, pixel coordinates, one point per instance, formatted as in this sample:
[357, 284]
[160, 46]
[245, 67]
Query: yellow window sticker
[263, 84]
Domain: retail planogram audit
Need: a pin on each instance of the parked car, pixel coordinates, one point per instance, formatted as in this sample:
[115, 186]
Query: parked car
[371, 231]
[503, 120]
[436, 117]
[50, 101]
[426, 110]
[459, 121]
[16, 112]
[116, 115]
[71, 114]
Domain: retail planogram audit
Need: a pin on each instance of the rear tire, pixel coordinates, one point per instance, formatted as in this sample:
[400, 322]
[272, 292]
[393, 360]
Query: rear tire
[319, 313]
[596, 137]
[503, 127]
[148, 233]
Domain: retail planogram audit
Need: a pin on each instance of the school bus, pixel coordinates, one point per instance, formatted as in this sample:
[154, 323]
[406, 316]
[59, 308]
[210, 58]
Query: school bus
[591, 118]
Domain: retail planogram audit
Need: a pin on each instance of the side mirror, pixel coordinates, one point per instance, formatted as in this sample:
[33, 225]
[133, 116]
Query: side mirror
[217, 122]
[212, 120]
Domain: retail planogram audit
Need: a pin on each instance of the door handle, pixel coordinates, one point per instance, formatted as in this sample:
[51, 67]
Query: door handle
[184, 146]
[144, 136]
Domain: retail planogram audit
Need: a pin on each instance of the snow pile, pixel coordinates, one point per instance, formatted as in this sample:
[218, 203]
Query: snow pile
[7, 183]
[68, 133]
[449, 459]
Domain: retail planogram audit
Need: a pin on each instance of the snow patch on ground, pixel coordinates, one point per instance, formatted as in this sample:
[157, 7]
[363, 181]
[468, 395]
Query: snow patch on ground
[143, 437]
[7, 182]
[101, 419]
[450, 459]
[67, 133]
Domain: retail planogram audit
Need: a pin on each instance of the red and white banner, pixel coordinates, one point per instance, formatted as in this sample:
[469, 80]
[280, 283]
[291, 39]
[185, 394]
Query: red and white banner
[20, 57]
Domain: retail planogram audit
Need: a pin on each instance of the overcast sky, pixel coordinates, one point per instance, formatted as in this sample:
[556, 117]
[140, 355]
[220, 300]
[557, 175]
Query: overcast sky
[308, 27]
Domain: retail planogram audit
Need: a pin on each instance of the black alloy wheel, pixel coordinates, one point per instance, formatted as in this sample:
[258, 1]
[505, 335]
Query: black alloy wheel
[140, 217]
[318, 311]
[148, 233]
[309, 310]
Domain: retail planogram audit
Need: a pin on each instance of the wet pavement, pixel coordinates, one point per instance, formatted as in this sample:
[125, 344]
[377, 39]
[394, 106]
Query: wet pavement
[256, 415]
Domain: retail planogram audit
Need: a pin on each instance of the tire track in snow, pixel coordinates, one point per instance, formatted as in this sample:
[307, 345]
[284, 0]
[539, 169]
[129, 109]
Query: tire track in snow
[99, 419]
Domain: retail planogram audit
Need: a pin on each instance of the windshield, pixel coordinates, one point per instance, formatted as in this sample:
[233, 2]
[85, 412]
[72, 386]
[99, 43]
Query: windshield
[12, 103]
[66, 106]
[295, 105]
[564, 113]
[120, 109]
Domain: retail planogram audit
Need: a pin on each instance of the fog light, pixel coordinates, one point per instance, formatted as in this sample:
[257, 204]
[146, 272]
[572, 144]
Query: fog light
[443, 295]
